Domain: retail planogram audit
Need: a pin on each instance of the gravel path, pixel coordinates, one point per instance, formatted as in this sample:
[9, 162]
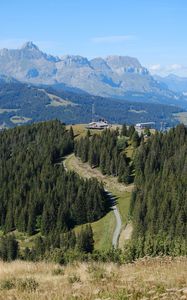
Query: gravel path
[117, 230]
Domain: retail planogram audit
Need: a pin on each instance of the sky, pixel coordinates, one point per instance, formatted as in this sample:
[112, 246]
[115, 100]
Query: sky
[154, 31]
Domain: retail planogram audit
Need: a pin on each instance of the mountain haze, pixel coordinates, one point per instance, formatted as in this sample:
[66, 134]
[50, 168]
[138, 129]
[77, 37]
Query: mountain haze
[174, 83]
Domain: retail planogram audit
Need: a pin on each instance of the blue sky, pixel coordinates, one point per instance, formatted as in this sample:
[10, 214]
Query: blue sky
[154, 31]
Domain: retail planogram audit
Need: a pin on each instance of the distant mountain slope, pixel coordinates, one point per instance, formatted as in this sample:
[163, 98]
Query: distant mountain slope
[174, 83]
[7, 79]
[21, 103]
[109, 77]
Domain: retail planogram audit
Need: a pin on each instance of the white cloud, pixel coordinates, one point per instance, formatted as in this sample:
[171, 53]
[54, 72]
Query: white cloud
[175, 67]
[164, 70]
[112, 39]
[155, 68]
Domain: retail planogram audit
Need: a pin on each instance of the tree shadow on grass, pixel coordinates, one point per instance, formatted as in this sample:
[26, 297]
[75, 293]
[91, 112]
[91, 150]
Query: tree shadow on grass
[112, 200]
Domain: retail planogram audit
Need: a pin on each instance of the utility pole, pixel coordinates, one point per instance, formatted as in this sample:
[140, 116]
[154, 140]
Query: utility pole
[93, 112]
[161, 126]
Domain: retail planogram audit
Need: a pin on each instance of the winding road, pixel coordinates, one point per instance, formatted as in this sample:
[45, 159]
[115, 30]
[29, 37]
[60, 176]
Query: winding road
[117, 215]
[117, 230]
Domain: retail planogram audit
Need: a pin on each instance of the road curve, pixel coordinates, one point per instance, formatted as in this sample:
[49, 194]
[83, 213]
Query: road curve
[64, 164]
[117, 230]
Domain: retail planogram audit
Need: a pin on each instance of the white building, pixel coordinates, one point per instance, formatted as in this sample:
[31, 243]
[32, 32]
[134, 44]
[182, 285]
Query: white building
[144, 125]
[101, 124]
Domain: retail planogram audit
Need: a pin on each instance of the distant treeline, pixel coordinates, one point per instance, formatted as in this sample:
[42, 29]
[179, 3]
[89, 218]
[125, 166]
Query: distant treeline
[32, 102]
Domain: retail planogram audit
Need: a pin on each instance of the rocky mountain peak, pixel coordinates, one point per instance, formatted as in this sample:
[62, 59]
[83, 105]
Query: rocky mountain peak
[74, 61]
[99, 63]
[125, 64]
[30, 46]
[117, 61]
[33, 51]
[111, 76]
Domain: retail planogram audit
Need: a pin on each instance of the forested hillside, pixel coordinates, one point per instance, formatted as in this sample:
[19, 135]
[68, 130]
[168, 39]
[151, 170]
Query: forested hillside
[107, 151]
[40, 199]
[21, 103]
[159, 202]
[36, 193]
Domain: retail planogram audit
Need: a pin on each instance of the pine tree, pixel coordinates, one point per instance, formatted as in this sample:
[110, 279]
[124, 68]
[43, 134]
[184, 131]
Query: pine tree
[3, 249]
[31, 221]
[135, 139]
[131, 130]
[123, 170]
[71, 133]
[9, 249]
[39, 247]
[85, 241]
[9, 222]
[147, 132]
[124, 131]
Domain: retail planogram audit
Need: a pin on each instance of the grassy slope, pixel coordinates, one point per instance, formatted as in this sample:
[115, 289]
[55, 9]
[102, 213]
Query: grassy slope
[80, 129]
[159, 278]
[103, 231]
[104, 228]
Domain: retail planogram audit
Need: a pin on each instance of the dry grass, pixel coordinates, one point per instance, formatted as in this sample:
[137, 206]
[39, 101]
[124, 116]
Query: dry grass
[125, 235]
[160, 278]
[80, 130]
[84, 170]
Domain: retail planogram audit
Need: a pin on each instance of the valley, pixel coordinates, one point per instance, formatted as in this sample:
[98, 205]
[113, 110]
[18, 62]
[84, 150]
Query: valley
[98, 170]
[23, 103]
[121, 195]
[68, 254]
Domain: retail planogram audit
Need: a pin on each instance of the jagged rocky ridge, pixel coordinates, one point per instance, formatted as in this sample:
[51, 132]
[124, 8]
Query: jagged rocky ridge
[109, 77]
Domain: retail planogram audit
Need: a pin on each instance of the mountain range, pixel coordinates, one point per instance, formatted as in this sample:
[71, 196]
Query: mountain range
[112, 76]
[35, 86]
[175, 83]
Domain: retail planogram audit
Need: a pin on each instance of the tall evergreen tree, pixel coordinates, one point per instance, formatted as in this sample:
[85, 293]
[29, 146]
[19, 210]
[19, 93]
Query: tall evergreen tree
[124, 131]
[85, 242]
